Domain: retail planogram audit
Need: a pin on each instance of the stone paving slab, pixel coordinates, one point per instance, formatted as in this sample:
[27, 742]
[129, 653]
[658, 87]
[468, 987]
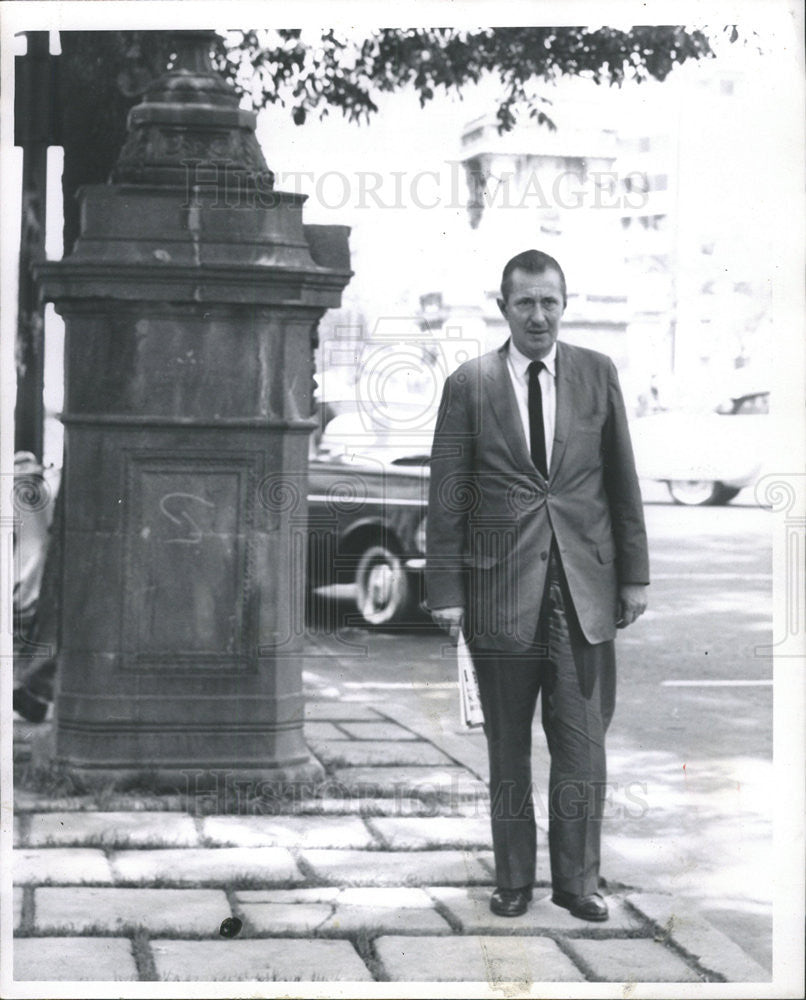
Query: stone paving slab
[62, 865]
[340, 711]
[454, 782]
[492, 960]
[16, 906]
[386, 920]
[286, 918]
[122, 829]
[402, 897]
[630, 960]
[342, 911]
[160, 911]
[326, 731]
[68, 958]
[214, 865]
[378, 731]
[680, 922]
[470, 908]
[416, 833]
[263, 959]
[380, 753]
[288, 831]
[390, 868]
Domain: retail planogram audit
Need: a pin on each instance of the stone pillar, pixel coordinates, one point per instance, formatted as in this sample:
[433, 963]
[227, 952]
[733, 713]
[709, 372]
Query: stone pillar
[191, 304]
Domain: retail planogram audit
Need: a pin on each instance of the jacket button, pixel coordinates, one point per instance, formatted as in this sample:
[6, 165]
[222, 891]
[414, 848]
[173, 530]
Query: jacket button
[544, 556]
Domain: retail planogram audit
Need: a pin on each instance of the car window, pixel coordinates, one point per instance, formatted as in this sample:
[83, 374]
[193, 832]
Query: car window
[412, 460]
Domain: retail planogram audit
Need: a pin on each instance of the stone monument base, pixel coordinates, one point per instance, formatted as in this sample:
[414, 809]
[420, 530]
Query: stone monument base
[229, 783]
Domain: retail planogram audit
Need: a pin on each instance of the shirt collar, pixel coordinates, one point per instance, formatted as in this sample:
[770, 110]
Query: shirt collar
[521, 363]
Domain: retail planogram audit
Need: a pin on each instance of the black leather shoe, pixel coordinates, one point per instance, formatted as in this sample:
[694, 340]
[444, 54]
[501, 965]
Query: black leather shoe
[29, 706]
[510, 902]
[591, 907]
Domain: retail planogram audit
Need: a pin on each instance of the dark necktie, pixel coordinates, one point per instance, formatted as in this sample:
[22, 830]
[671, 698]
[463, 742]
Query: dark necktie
[536, 432]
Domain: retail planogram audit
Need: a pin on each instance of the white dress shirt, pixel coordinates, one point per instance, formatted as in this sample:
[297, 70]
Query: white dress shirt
[518, 365]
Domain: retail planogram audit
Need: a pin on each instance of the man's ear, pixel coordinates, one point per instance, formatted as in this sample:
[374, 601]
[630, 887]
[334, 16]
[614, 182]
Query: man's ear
[503, 307]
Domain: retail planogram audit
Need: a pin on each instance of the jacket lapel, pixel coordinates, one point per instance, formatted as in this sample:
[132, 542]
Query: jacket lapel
[501, 397]
[564, 406]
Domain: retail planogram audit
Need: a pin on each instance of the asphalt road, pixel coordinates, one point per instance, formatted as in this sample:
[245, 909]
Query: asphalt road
[690, 747]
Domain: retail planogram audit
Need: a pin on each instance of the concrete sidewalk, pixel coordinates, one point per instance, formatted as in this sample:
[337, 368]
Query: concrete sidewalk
[384, 874]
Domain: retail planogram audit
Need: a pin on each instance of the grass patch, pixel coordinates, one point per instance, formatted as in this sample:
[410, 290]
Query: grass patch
[114, 842]
[269, 977]
[380, 842]
[55, 780]
[363, 942]
[52, 780]
[27, 915]
[144, 957]
[312, 880]
[127, 929]
[447, 915]
[236, 883]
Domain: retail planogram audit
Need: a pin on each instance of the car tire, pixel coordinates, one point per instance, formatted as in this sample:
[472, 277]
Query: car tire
[700, 492]
[727, 493]
[383, 589]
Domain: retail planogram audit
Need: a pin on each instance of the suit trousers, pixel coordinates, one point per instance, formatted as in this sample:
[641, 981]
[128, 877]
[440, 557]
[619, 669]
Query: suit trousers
[577, 681]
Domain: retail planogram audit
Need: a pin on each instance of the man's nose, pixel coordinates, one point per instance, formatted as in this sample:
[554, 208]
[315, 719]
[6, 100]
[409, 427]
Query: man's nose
[537, 316]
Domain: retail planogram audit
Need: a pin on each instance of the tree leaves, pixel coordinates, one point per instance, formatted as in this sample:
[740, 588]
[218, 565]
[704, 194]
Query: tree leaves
[314, 72]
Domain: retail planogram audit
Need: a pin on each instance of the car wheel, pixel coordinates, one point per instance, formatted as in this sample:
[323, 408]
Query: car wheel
[699, 492]
[383, 591]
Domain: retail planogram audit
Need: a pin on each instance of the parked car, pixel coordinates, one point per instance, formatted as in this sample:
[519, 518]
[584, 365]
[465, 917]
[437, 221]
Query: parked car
[366, 524]
[708, 457]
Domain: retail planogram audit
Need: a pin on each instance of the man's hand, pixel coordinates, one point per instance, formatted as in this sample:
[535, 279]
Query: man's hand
[631, 603]
[449, 619]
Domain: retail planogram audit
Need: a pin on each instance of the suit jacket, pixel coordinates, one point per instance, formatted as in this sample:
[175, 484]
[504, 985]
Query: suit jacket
[492, 514]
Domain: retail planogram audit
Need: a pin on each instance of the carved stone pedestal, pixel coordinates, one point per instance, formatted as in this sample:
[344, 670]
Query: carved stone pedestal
[190, 304]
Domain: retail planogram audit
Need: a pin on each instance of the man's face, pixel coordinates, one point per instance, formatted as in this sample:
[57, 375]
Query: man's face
[533, 310]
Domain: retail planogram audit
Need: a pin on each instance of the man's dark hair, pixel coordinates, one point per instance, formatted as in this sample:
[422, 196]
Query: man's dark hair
[533, 262]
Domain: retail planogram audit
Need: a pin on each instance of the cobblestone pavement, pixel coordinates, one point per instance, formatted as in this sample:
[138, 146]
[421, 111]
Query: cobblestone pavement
[384, 876]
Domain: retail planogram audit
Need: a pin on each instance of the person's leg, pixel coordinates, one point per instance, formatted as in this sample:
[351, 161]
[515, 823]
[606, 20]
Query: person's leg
[578, 702]
[34, 689]
[508, 688]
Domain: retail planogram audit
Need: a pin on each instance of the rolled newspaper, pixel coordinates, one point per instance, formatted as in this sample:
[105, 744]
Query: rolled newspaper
[469, 700]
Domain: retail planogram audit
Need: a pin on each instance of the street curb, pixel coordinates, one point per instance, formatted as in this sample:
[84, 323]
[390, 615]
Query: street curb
[677, 922]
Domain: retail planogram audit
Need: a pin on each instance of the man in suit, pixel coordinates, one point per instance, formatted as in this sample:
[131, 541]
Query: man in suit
[537, 551]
